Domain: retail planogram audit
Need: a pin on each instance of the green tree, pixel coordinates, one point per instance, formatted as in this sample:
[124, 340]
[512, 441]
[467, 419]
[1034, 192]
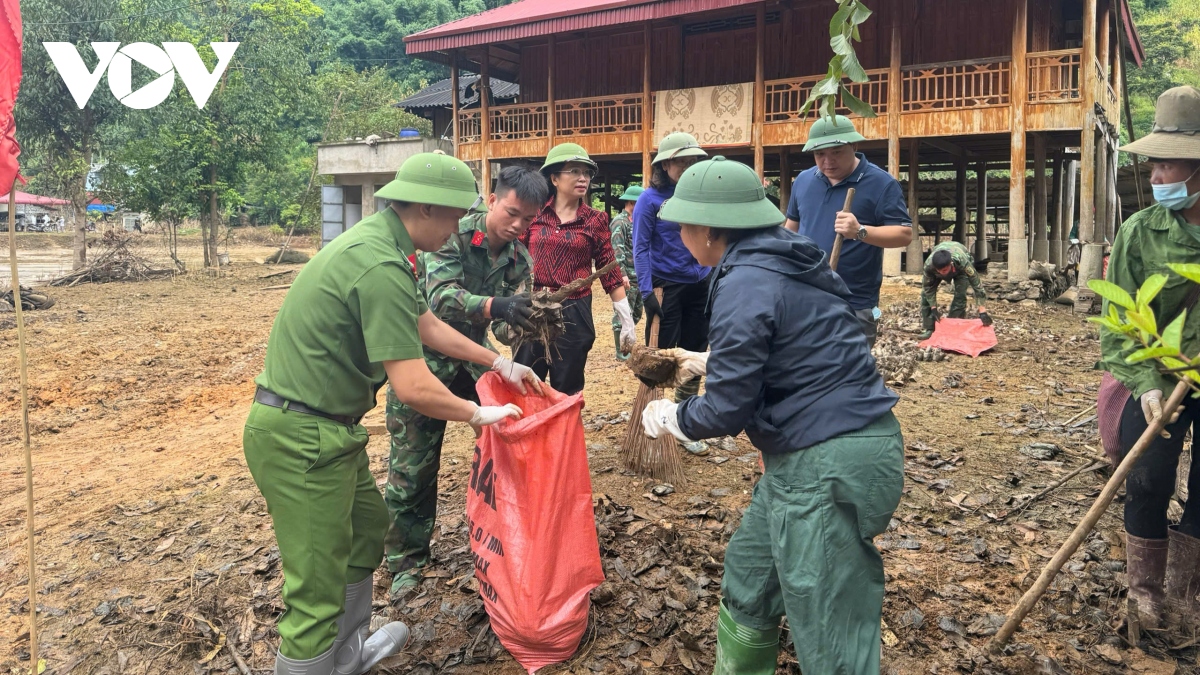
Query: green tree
[1170, 31]
[60, 139]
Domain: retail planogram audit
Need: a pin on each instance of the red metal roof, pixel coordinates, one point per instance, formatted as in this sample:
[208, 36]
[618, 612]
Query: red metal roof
[532, 18]
[37, 200]
[1132, 38]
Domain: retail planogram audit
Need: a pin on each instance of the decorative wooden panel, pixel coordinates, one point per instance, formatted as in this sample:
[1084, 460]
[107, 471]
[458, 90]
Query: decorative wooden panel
[512, 122]
[951, 86]
[469, 129]
[598, 115]
[786, 97]
[1054, 76]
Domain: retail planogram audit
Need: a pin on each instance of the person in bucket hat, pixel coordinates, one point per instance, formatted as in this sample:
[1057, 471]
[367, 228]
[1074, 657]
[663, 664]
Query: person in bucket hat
[567, 240]
[662, 261]
[1163, 563]
[621, 228]
[878, 218]
[790, 366]
[353, 319]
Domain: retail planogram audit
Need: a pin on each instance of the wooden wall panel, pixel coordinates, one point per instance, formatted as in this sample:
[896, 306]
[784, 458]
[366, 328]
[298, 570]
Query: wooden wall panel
[955, 30]
[533, 73]
[724, 57]
[622, 64]
[666, 66]
[572, 72]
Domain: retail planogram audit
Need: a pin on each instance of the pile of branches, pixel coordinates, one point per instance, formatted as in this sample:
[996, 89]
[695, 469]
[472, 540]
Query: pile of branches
[115, 263]
[29, 300]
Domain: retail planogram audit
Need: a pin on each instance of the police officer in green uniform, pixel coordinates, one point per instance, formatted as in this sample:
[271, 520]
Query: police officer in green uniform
[950, 262]
[354, 318]
[480, 277]
[621, 227]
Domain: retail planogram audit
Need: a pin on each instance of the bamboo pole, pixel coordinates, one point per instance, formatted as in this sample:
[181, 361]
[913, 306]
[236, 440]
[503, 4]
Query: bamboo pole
[29, 529]
[1035, 592]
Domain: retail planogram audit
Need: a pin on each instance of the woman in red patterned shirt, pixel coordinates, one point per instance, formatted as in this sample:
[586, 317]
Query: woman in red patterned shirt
[566, 240]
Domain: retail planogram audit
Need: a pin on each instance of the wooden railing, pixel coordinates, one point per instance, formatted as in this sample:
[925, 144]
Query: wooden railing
[979, 83]
[598, 115]
[1054, 76]
[469, 129]
[786, 97]
[515, 122]
[1105, 95]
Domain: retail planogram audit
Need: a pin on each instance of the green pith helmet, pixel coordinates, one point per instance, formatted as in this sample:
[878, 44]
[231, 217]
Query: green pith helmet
[433, 178]
[1176, 133]
[567, 152]
[826, 133]
[678, 144]
[721, 193]
[631, 193]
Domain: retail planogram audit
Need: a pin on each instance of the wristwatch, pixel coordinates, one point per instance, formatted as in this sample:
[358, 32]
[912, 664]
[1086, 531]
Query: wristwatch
[862, 233]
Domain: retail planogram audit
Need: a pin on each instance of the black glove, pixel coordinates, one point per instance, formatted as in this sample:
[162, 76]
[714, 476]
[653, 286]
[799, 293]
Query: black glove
[936, 314]
[514, 310]
[650, 304]
[985, 318]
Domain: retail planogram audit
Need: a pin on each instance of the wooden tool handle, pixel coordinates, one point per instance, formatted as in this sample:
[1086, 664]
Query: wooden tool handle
[837, 241]
[1035, 592]
[654, 321]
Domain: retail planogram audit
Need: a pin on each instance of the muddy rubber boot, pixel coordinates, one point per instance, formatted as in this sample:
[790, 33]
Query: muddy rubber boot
[742, 650]
[356, 652]
[1146, 566]
[687, 390]
[321, 665]
[1183, 575]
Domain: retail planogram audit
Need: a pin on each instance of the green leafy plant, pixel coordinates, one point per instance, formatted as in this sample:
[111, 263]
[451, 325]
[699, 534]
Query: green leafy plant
[1136, 323]
[843, 33]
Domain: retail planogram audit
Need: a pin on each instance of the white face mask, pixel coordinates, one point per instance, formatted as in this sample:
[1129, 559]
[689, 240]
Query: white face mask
[1175, 196]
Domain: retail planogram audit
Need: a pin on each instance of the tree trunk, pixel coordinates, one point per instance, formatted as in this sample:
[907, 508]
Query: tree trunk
[204, 233]
[210, 247]
[79, 200]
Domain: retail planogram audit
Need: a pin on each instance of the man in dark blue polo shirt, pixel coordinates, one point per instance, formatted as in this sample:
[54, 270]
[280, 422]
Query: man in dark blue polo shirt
[877, 220]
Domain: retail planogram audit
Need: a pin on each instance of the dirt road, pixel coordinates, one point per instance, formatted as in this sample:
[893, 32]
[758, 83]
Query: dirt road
[155, 548]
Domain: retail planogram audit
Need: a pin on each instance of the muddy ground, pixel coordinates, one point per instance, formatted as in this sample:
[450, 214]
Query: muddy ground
[156, 555]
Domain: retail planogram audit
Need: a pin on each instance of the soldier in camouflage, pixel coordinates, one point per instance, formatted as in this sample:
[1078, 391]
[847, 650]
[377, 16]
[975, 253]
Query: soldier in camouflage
[479, 277]
[622, 242]
[951, 262]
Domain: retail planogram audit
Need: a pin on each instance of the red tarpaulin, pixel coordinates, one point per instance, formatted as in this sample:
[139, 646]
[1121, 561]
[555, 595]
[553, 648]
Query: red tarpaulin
[10, 82]
[36, 200]
[964, 336]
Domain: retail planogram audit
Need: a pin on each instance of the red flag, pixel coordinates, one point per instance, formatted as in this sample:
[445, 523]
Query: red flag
[10, 82]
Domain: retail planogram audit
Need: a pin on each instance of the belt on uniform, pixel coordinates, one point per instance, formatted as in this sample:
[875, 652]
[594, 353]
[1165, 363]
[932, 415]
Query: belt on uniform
[274, 400]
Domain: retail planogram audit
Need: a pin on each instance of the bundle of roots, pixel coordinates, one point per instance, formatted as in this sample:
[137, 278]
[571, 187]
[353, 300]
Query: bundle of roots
[547, 317]
[648, 363]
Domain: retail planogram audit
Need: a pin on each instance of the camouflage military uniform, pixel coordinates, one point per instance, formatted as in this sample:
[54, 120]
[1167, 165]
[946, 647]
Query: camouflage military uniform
[965, 274]
[622, 243]
[457, 281]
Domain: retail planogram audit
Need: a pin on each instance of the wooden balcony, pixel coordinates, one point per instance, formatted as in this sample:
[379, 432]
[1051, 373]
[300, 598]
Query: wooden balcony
[941, 99]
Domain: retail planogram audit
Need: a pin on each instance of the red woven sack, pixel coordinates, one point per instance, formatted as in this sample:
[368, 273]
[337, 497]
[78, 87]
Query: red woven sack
[964, 336]
[533, 532]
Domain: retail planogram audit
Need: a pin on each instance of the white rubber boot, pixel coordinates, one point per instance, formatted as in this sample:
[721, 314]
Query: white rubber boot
[356, 652]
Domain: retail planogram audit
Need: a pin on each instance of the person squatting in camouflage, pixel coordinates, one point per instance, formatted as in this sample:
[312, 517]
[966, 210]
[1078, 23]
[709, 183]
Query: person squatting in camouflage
[951, 262]
[622, 242]
[480, 277]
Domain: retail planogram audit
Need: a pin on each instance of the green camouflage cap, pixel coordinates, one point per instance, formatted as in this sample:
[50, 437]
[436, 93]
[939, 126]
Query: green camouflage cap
[1176, 133]
[828, 132]
[631, 193]
[433, 178]
[721, 193]
[678, 144]
[567, 152]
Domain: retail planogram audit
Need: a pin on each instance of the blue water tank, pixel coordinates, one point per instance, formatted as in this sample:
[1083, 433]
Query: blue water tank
[409, 132]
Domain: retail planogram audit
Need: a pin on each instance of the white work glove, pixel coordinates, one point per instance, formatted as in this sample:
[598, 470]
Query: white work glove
[517, 375]
[660, 417]
[628, 328]
[490, 414]
[688, 365]
[1152, 409]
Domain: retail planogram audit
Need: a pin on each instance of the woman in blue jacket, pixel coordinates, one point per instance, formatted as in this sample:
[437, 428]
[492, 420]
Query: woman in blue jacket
[662, 261]
[790, 365]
